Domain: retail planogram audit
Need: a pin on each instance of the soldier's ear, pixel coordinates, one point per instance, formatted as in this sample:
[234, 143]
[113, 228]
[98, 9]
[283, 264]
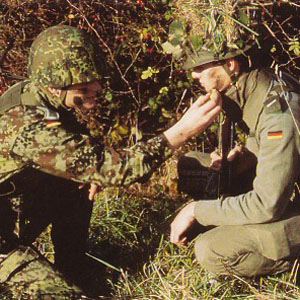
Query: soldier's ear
[55, 92]
[233, 65]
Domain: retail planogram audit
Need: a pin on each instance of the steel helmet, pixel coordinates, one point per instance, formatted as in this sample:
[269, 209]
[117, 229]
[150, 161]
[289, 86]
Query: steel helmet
[204, 57]
[62, 56]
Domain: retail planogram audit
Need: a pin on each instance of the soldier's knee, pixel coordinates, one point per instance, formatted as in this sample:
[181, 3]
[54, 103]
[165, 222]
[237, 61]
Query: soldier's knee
[202, 250]
[205, 254]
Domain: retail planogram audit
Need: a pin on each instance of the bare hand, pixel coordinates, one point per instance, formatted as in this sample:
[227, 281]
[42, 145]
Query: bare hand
[235, 152]
[93, 190]
[216, 159]
[182, 222]
[198, 117]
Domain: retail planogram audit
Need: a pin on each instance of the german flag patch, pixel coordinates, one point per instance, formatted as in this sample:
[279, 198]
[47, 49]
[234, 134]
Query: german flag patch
[52, 124]
[275, 135]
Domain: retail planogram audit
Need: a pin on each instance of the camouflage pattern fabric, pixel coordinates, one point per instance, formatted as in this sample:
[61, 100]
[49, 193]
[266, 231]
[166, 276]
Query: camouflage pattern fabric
[62, 56]
[59, 57]
[27, 139]
[28, 275]
[36, 134]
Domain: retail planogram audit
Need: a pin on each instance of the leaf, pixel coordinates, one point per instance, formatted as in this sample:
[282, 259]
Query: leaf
[164, 90]
[167, 114]
[175, 40]
[243, 18]
[177, 27]
[122, 130]
[240, 44]
[197, 42]
[273, 49]
[176, 51]
[115, 136]
[108, 96]
[148, 73]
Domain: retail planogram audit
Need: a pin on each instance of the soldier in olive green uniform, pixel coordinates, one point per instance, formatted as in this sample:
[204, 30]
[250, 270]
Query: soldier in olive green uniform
[255, 232]
[44, 152]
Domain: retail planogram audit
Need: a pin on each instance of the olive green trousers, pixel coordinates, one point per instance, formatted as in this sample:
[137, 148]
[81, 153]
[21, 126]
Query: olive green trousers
[236, 250]
[246, 250]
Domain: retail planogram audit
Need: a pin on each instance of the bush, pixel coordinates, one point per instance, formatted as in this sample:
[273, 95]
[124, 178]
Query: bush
[143, 87]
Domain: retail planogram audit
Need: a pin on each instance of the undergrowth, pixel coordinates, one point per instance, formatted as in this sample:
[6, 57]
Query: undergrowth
[147, 91]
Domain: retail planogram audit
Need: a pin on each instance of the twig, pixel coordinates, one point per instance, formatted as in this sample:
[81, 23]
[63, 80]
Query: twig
[109, 51]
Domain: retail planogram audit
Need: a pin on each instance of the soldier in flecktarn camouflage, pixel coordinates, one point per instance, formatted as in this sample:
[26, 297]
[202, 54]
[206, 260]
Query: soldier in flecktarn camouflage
[45, 155]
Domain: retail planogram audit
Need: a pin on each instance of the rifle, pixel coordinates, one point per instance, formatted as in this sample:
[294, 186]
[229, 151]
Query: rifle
[228, 121]
[226, 139]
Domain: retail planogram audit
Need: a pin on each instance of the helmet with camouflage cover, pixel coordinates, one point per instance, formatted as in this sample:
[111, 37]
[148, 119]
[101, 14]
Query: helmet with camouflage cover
[62, 56]
[206, 31]
[204, 57]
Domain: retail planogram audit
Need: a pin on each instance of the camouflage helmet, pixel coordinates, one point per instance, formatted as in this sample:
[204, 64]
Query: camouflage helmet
[62, 56]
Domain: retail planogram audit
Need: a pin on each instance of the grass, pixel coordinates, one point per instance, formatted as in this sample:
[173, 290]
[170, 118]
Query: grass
[174, 274]
[134, 231]
[129, 235]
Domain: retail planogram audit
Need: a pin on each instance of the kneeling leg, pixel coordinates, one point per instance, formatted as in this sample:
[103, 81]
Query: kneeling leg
[235, 250]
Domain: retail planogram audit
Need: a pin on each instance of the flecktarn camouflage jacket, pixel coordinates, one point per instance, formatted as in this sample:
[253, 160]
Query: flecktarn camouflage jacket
[33, 134]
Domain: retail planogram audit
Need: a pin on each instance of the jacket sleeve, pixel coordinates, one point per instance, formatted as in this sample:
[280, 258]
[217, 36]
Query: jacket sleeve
[277, 171]
[78, 157]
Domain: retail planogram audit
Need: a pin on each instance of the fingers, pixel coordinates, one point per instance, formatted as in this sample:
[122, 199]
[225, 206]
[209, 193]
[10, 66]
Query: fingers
[215, 154]
[234, 152]
[210, 108]
[182, 222]
[81, 186]
[214, 98]
[202, 100]
[177, 239]
[93, 191]
[180, 243]
[216, 161]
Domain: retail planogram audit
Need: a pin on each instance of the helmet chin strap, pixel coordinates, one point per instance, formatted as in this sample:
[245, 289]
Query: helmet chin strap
[233, 76]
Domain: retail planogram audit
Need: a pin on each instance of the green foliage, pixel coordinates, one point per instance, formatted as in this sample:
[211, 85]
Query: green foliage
[128, 36]
[224, 26]
[174, 274]
[123, 224]
[145, 90]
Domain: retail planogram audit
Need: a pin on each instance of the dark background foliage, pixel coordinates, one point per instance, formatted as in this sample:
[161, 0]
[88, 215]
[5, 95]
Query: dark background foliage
[145, 89]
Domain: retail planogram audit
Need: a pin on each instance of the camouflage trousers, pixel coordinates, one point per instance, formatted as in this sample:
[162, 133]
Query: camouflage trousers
[242, 250]
[30, 201]
[25, 274]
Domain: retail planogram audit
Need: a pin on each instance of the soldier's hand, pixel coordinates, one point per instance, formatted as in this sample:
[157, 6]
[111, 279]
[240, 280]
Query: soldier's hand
[216, 161]
[182, 222]
[93, 190]
[235, 152]
[197, 118]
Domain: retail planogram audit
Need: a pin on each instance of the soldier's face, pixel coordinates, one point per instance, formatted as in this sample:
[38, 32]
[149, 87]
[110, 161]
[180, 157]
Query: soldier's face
[211, 76]
[83, 95]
